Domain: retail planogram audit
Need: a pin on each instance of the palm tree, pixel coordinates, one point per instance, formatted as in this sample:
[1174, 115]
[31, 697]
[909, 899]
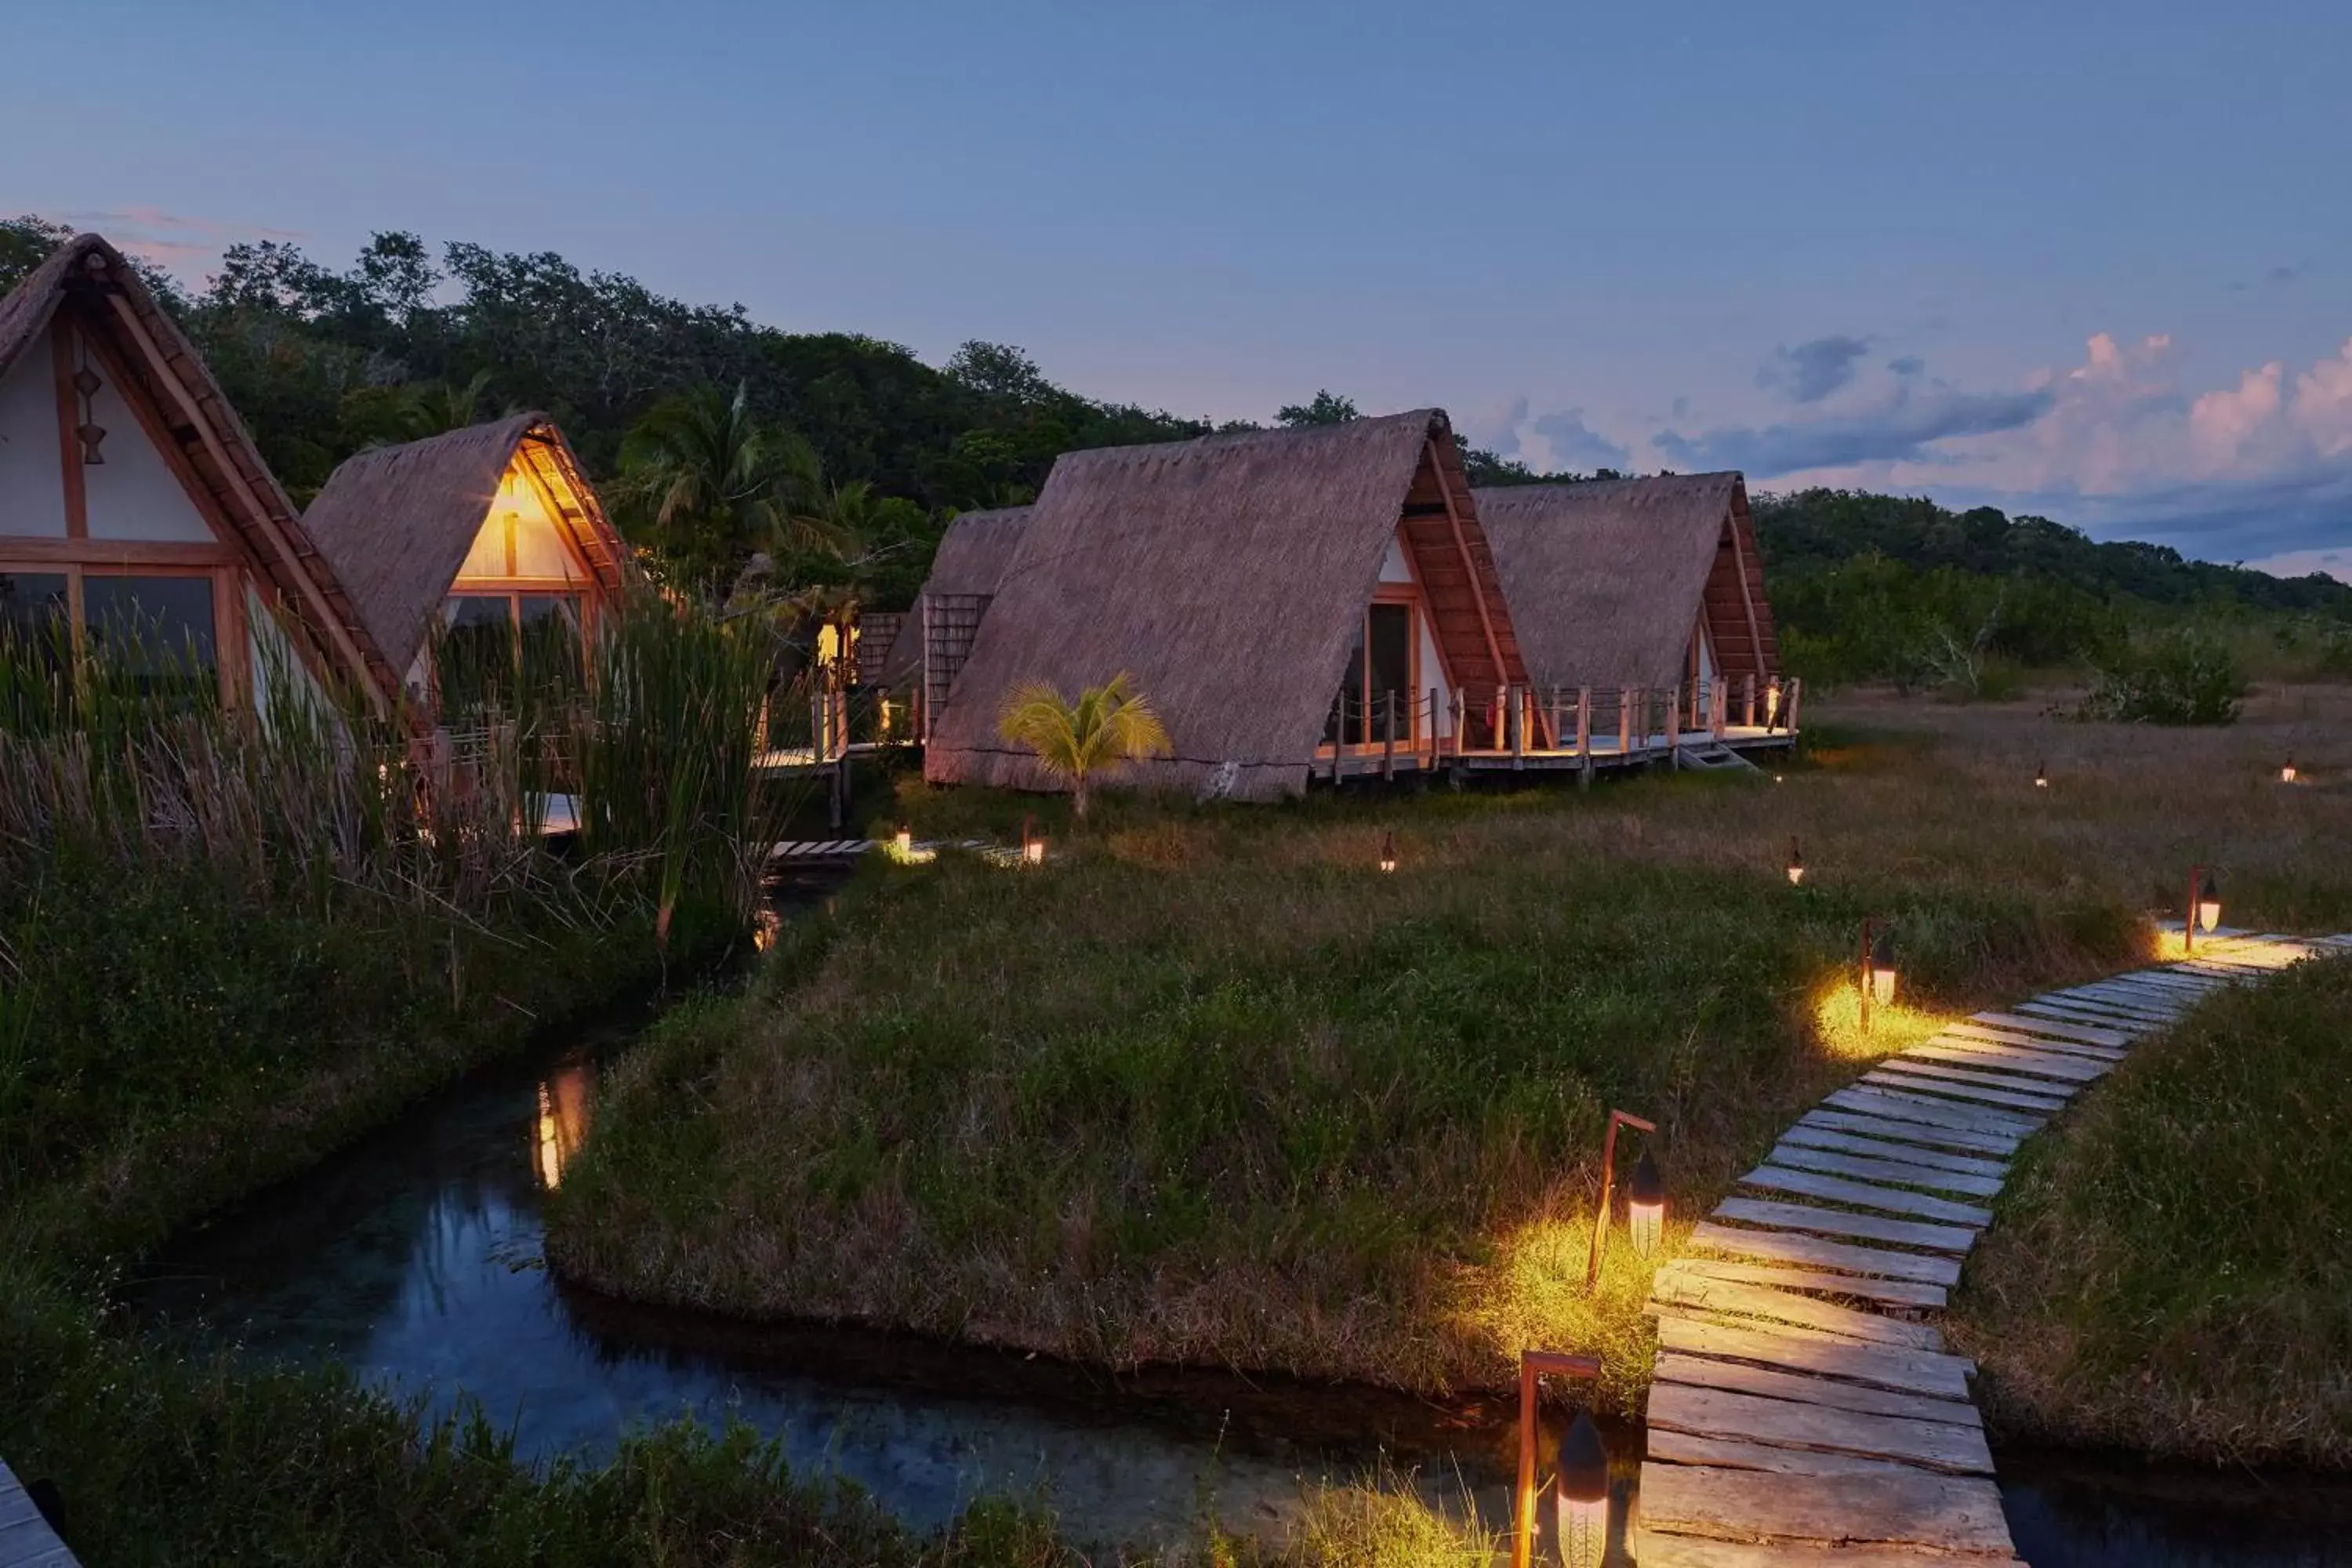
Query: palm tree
[699, 480]
[1107, 725]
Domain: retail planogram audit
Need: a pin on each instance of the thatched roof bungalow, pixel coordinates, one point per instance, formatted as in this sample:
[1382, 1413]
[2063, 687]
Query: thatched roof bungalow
[1271, 593]
[947, 613]
[134, 505]
[490, 527]
[1634, 583]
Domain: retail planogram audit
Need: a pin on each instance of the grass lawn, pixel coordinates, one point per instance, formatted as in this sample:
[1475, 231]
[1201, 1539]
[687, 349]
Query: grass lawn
[1208, 1087]
[2171, 1270]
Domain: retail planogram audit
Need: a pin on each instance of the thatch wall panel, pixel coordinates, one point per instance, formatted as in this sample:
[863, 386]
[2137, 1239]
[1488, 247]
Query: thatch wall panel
[1227, 575]
[972, 557]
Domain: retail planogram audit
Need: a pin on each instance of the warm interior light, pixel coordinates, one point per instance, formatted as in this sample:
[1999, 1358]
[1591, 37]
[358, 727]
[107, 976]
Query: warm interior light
[1645, 1205]
[1796, 864]
[1387, 852]
[1771, 702]
[2209, 905]
[1580, 1495]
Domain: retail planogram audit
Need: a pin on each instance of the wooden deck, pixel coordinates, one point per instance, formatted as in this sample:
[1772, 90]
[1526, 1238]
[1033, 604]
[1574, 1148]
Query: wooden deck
[1804, 1409]
[26, 1538]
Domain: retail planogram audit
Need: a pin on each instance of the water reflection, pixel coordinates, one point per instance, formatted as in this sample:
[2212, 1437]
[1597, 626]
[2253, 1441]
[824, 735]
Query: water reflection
[566, 1101]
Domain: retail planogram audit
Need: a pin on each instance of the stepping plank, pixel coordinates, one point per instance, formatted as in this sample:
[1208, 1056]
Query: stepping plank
[1967, 1030]
[1864, 1195]
[1874, 1101]
[1917, 1078]
[1963, 1050]
[1690, 1449]
[1719, 1412]
[2044, 1027]
[1796, 1156]
[1983, 1072]
[1779, 1247]
[1655, 1551]
[1672, 1287]
[2111, 994]
[1894, 1292]
[2105, 1014]
[1930, 1373]
[1908, 1131]
[1805, 1133]
[1764, 1383]
[1949, 1513]
[1832, 1222]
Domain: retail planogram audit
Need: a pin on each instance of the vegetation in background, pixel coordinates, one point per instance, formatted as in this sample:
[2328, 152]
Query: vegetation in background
[1213, 1088]
[2183, 676]
[2171, 1270]
[1107, 725]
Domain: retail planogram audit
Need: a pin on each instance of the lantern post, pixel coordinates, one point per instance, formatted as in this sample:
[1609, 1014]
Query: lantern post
[1581, 1485]
[1607, 1189]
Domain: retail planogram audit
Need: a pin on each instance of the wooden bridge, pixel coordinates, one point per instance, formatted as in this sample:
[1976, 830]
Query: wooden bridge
[1804, 1410]
[26, 1538]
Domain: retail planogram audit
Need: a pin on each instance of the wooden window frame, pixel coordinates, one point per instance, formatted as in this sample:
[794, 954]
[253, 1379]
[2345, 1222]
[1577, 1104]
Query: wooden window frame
[1407, 595]
[84, 559]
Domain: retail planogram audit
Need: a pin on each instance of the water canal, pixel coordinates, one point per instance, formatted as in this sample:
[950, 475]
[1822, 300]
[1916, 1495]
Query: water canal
[414, 1257]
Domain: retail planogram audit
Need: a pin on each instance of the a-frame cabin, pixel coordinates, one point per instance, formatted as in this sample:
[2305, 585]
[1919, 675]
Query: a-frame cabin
[135, 514]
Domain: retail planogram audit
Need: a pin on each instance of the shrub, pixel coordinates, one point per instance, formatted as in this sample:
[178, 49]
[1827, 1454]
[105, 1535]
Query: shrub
[2182, 676]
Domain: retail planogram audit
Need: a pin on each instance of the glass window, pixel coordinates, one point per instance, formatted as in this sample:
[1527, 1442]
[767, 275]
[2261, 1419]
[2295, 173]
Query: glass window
[550, 627]
[1389, 670]
[156, 632]
[475, 654]
[35, 644]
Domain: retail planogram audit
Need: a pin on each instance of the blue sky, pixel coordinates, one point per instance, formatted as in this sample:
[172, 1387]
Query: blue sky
[2093, 260]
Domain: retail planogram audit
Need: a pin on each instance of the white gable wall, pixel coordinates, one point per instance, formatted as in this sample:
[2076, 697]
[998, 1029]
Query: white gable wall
[32, 483]
[134, 494]
[1396, 570]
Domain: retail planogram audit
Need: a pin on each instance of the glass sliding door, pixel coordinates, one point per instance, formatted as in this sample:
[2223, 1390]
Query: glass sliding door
[1381, 668]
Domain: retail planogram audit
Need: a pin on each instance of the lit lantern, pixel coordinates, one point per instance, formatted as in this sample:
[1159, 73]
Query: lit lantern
[905, 841]
[1033, 843]
[1387, 852]
[1645, 1205]
[1796, 864]
[2041, 776]
[1882, 969]
[1580, 1495]
[2208, 904]
[2287, 773]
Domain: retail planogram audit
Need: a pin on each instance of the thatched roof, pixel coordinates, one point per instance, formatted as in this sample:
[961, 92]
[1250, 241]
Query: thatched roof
[89, 278]
[397, 521]
[1228, 575]
[971, 559]
[1606, 578]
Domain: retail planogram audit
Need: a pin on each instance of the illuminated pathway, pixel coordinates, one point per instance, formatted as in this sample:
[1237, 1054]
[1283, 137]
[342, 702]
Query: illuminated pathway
[1803, 1410]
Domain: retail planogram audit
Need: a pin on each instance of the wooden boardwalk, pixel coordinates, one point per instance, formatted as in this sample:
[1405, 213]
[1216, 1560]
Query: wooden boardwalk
[26, 1538]
[1804, 1410]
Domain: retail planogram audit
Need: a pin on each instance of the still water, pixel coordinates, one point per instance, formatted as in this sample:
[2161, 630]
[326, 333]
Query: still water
[415, 1260]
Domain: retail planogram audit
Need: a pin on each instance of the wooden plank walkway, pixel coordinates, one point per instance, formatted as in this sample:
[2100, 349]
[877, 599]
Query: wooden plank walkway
[26, 1538]
[1803, 1410]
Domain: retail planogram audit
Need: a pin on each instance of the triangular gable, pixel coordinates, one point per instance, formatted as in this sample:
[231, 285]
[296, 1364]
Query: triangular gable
[90, 310]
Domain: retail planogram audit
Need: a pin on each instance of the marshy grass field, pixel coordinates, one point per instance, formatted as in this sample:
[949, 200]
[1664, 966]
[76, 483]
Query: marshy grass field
[1209, 1088]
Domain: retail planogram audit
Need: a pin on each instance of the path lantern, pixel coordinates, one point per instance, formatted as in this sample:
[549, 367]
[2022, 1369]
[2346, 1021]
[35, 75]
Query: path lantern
[1388, 851]
[1581, 1486]
[1580, 1495]
[2208, 904]
[2040, 775]
[1033, 843]
[1796, 864]
[1876, 984]
[2286, 771]
[1634, 1193]
[1645, 1205]
[904, 841]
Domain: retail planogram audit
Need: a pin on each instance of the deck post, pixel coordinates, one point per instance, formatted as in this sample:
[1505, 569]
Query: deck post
[1796, 690]
[1584, 737]
[1718, 705]
[1434, 739]
[1747, 705]
[1461, 717]
[1388, 740]
[1624, 720]
[1675, 730]
[1518, 719]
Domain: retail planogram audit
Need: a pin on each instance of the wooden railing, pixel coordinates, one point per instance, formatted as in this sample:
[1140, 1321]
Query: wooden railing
[1519, 722]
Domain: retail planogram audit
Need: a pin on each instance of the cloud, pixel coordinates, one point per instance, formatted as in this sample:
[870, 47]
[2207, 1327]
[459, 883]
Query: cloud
[2282, 274]
[1812, 370]
[2335, 562]
[1902, 426]
[173, 241]
[1557, 442]
[1909, 364]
